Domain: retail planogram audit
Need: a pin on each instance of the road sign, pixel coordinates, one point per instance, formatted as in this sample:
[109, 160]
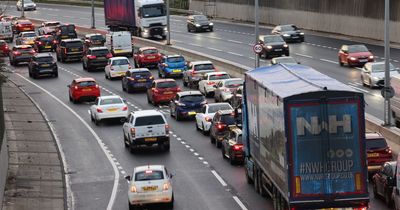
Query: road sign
[257, 48]
[389, 91]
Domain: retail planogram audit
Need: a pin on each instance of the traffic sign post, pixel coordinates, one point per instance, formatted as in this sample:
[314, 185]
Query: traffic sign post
[387, 92]
[257, 48]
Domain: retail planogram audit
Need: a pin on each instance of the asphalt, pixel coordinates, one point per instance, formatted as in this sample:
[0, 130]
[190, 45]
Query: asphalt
[35, 177]
[194, 160]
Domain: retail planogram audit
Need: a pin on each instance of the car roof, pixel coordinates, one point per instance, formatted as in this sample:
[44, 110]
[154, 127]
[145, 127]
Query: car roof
[224, 112]
[147, 167]
[164, 80]
[85, 79]
[146, 113]
[173, 56]
[138, 70]
[216, 73]
[187, 93]
[198, 15]
[44, 36]
[51, 22]
[217, 104]
[232, 79]
[41, 55]
[147, 48]
[27, 21]
[119, 58]
[109, 96]
[373, 136]
[71, 40]
[23, 46]
[28, 32]
[200, 62]
[98, 48]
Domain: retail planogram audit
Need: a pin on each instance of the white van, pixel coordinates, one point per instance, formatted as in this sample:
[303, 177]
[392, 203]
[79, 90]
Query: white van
[6, 32]
[119, 43]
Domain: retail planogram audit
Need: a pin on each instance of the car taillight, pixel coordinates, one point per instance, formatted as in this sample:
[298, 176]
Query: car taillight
[166, 129]
[109, 55]
[76, 87]
[133, 188]
[39, 43]
[6, 47]
[91, 56]
[166, 186]
[124, 108]
[210, 83]
[17, 53]
[237, 147]
[208, 119]
[65, 50]
[388, 150]
[155, 90]
[221, 126]
[133, 132]
[97, 86]
[99, 110]
[178, 89]
[54, 41]
[151, 77]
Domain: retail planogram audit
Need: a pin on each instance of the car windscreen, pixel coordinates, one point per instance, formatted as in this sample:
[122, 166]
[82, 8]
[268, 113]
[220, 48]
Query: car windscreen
[380, 67]
[140, 74]
[150, 51]
[29, 35]
[48, 59]
[233, 83]
[153, 10]
[87, 84]
[168, 84]
[228, 119]
[288, 28]
[378, 143]
[102, 52]
[25, 50]
[200, 18]
[51, 25]
[358, 48]
[149, 175]
[120, 62]
[219, 77]
[201, 67]
[268, 39]
[67, 29]
[46, 39]
[192, 98]
[216, 108]
[175, 59]
[149, 120]
[108, 101]
[97, 37]
[74, 44]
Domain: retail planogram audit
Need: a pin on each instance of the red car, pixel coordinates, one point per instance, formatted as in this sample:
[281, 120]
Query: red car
[83, 89]
[378, 152]
[147, 56]
[162, 90]
[355, 55]
[4, 48]
[23, 25]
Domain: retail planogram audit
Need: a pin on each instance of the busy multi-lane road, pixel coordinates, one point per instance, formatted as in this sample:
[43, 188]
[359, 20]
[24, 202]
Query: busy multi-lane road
[203, 179]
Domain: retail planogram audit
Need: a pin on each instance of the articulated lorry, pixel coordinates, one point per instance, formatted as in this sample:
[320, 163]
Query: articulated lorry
[304, 139]
[143, 18]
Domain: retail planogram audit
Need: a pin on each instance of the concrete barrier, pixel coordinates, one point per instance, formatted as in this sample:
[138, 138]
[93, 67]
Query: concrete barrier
[373, 124]
[3, 167]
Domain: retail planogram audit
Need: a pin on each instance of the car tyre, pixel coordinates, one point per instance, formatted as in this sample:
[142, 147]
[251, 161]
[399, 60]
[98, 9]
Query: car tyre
[204, 130]
[125, 141]
[375, 191]
[132, 148]
[55, 75]
[212, 139]
[148, 99]
[218, 144]
[223, 152]
[197, 126]
[232, 161]
[340, 62]
[97, 122]
[131, 207]
[178, 116]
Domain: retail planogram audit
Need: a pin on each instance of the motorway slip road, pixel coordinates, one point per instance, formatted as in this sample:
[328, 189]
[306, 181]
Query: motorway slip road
[35, 174]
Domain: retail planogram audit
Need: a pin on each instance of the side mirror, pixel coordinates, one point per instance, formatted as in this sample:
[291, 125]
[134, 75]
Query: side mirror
[171, 175]
[69, 86]
[128, 178]
[298, 63]
[345, 51]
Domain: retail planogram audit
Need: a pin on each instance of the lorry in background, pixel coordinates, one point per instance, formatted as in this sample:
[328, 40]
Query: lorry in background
[304, 139]
[144, 18]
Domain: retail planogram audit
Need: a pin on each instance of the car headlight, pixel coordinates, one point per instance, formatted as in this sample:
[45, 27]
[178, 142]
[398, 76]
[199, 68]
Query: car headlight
[165, 28]
[371, 57]
[286, 35]
[285, 45]
[211, 24]
[353, 58]
[301, 33]
[269, 47]
[376, 78]
[146, 30]
[197, 25]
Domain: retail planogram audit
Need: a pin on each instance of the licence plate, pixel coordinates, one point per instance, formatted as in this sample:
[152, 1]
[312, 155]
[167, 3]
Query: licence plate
[363, 60]
[45, 65]
[142, 80]
[27, 28]
[177, 71]
[151, 57]
[168, 92]
[373, 155]
[278, 49]
[112, 109]
[47, 47]
[87, 89]
[150, 188]
[117, 51]
[150, 139]
[74, 49]
[192, 113]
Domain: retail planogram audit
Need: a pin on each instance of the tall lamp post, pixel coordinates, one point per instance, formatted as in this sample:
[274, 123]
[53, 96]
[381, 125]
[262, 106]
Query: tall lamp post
[386, 93]
[23, 9]
[256, 31]
[93, 20]
[168, 25]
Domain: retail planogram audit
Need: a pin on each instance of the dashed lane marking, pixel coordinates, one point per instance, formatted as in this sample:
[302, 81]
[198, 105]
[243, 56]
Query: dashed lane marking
[234, 41]
[239, 202]
[303, 55]
[215, 49]
[237, 54]
[329, 61]
[219, 178]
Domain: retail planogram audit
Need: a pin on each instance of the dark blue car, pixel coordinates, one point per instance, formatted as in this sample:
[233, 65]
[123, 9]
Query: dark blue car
[171, 66]
[137, 79]
[186, 104]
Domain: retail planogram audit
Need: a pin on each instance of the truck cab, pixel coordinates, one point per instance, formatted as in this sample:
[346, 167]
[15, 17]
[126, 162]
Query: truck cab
[151, 19]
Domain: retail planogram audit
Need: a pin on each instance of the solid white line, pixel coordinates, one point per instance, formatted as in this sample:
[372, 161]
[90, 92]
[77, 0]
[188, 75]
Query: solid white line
[196, 154]
[362, 90]
[307, 56]
[329, 61]
[211, 48]
[196, 45]
[239, 202]
[116, 172]
[219, 178]
[234, 41]
[235, 53]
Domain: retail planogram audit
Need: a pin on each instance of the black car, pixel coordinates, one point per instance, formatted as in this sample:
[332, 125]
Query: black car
[274, 45]
[220, 126]
[44, 43]
[65, 31]
[69, 49]
[198, 23]
[290, 33]
[42, 64]
[232, 145]
[95, 58]
[186, 104]
[137, 79]
[94, 40]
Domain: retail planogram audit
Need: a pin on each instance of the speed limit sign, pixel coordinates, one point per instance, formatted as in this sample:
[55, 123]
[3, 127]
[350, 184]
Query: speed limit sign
[257, 48]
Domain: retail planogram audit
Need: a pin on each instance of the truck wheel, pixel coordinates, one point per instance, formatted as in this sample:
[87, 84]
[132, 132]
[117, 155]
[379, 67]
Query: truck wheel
[248, 178]
[132, 148]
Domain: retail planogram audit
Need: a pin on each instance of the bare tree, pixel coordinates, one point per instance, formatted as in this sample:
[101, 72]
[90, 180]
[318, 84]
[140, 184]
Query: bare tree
[4, 6]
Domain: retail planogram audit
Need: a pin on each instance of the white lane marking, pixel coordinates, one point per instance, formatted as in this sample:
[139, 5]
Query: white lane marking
[196, 45]
[357, 88]
[234, 41]
[329, 61]
[123, 172]
[237, 54]
[196, 154]
[116, 172]
[239, 202]
[201, 158]
[205, 162]
[219, 178]
[187, 146]
[215, 49]
[303, 55]
[252, 58]
[192, 150]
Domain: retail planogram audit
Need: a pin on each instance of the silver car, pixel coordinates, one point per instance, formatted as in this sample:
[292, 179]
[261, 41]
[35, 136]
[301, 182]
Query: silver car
[373, 74]
[224, 89]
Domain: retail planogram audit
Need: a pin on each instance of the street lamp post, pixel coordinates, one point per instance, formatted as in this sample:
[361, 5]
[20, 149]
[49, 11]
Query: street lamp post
[387, 117]
[168, 25]
[23, 9]
[93, 20]
[256, 31]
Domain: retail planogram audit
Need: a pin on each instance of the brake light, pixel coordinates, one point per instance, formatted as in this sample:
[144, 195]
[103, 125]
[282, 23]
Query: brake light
[210, 83]
[148, 171]
[91, 56]
[166, 186]
[155, 90]
[133, 132]
[208, 119]
[39, 43]
[99, 110]
[124, 108]
[166, 129]
[388, 150]
[65, 50]
[133, 188]
[6, 47]
[237, 147]
[221, 126]
[32, 52]
[17, 53]
[76, 87]
[109, 55]
[55, 41]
